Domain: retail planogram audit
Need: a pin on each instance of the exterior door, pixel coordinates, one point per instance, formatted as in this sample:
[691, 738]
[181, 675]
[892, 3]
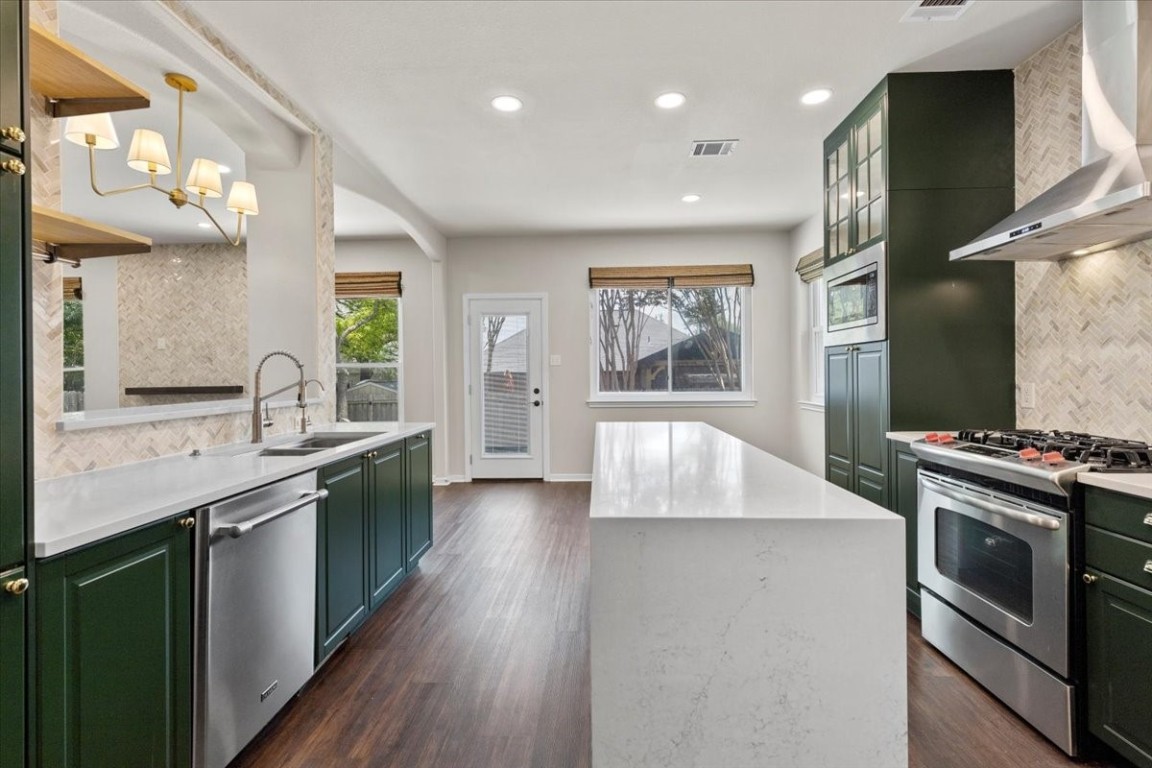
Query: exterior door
[506, 387]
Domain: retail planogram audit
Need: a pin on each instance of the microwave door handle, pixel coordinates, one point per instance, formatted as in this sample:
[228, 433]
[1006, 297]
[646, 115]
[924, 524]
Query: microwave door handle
[1031, 518]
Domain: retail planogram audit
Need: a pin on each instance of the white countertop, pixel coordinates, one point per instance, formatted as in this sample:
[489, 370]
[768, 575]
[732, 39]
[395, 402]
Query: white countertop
[79, 509]
[1132, 483]
[692, 470]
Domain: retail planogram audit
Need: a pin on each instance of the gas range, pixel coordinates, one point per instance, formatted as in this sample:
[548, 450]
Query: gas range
[1047, 461]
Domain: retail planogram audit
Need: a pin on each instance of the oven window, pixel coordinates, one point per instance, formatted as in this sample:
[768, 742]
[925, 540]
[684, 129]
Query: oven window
[985, 560]
[853, 301]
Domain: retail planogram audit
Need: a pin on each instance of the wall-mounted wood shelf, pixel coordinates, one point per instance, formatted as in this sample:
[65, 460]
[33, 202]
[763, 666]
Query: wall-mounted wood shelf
[73, 82]
[71, 238]
[223, 389]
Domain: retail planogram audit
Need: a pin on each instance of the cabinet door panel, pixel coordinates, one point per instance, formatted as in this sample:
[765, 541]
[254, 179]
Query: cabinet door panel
[419, 466]
[871, 412]
[341, 584]
[12, 436]
[11, 69]
[12, 672]
[838, 407]
[904, 503]
[870, 489]
[114, 636]
[1120, 668]
[386, 522]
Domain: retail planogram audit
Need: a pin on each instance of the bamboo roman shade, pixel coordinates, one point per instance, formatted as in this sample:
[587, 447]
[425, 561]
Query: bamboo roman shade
[647, 278]
[365, 285]
[73, 288]
[811, 267]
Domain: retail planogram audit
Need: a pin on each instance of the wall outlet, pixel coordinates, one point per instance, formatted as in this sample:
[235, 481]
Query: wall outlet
[1027, 395]
[554, 360]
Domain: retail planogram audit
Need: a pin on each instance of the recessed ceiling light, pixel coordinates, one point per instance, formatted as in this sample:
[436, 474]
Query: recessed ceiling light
[690, 199]
[507, 104]
[1081, 252]
[671, 100]
[204, 225]
[223, 168]
[816, 96]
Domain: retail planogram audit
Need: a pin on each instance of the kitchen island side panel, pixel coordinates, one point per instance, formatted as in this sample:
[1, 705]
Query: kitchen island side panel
[733, 642]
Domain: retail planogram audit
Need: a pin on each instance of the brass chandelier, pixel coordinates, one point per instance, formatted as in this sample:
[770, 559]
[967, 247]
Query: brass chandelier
[149, 154]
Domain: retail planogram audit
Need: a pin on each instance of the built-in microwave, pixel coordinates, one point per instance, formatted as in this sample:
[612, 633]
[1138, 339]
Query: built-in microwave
[856, 294]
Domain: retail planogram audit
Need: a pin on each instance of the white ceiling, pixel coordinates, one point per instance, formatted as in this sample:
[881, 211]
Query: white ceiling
[408, 84]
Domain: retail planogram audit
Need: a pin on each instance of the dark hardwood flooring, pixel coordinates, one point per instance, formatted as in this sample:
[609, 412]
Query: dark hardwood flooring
[480, 660]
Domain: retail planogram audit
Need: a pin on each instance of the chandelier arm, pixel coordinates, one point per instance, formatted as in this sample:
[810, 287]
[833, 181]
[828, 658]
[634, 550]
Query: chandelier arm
[239, 223]
[180, 137]
[151, 184]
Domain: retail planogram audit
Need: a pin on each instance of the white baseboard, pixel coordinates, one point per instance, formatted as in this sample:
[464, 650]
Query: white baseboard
[558, 478]
[450, 479]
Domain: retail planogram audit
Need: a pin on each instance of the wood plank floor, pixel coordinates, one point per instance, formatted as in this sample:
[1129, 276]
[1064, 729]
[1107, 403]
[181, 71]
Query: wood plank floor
[480, 660]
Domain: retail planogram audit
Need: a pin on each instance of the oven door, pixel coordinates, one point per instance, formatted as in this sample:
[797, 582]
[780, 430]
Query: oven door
[1001, 561]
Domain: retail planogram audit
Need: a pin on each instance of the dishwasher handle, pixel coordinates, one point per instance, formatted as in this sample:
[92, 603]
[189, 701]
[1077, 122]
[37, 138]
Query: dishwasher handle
[237, 530]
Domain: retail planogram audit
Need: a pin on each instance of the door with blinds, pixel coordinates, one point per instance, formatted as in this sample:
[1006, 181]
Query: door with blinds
[506, 387]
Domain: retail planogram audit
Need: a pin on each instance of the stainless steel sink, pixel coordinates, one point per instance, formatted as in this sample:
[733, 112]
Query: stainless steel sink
[334, 440]
[290, 450]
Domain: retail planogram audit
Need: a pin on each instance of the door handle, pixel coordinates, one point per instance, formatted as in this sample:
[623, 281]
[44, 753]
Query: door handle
[1031, 518]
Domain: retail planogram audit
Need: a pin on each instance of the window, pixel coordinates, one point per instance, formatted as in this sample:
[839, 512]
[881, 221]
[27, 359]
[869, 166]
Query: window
[369, 380]
[73, 331]
[816, 311]
[683, 341]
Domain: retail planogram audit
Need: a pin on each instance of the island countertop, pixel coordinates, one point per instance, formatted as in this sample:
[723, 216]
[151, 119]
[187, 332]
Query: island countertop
[693, 470]
[83, 508]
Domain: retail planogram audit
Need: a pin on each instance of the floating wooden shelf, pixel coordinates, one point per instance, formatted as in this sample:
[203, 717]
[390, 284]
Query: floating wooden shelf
[73, 82]
[72, 238]
[223, 389]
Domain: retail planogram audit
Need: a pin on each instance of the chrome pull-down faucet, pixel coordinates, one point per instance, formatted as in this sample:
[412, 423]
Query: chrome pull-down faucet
[304, 406]
[257, 398]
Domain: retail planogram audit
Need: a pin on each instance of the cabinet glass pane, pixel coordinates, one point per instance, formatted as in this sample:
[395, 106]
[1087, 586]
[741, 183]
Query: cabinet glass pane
[862, 230]
[842, 159]
[876, 217]
[842, 235]
[861, 184]
[875, 133]
[830, 172]
[842, 192]
[833, 245]
[830, 205]
[876, 175]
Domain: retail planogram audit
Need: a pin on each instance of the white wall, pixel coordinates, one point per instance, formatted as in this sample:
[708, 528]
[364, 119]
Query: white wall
[807, 451]
[558, 266]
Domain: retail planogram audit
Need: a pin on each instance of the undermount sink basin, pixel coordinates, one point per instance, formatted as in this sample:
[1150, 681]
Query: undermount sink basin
[290, 450]
[333, 440]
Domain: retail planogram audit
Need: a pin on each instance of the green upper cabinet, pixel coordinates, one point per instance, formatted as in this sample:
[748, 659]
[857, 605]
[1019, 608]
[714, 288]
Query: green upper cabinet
[341, 553]
[419, 461]
[12, 42]
[386, 522]
[12, 668]
[12, 346]
[114, 632]
[855, 185]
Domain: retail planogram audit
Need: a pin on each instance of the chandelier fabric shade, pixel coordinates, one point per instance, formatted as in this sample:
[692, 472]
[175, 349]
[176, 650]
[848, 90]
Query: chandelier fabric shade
[242, 199]
[204, 178]
[148, 153]
[95, 129]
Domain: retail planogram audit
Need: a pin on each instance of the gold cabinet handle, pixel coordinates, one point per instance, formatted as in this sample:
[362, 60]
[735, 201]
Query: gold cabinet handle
[1148, 567]
[13, 133]
[16, 586]
[187, 523]
[13, 166]
[1148, 519]
[1090, 579]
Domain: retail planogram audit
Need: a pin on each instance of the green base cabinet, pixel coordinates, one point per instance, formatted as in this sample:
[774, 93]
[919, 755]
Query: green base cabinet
[856, 419]
[386, 522]
[114, 631]
[905, 503]
[1118, 550]
[12, 678]
[419, 498]
[341, 553]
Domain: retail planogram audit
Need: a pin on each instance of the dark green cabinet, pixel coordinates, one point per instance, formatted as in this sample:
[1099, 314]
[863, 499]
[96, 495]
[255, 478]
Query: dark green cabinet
[12, 65]
[386, 522]
[856, 419]
[12, 671]
[419, 501]
[372, 530]
[855, 185]
[1118, 632]
[904, 502]
[341, 553]
[114, 631]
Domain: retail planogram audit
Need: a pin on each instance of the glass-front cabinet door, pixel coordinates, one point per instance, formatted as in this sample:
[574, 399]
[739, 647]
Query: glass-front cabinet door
[868, 180]
[837, 208]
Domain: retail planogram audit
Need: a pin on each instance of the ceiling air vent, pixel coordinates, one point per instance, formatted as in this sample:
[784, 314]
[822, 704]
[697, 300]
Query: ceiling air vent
[936, 10]
[713, 147]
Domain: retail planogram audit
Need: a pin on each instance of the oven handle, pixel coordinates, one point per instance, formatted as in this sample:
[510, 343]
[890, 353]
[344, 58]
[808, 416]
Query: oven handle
[1031, 518]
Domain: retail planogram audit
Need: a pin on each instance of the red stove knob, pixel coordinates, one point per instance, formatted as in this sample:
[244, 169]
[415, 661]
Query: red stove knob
[946, 438]
[1052, 457]
[931, 437]
[1029, 454]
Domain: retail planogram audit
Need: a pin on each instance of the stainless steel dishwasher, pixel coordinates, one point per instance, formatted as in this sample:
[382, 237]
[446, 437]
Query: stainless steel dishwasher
[256, 612]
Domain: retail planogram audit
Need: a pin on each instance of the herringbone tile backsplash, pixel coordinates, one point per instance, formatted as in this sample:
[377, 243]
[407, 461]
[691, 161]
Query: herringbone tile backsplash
[1083, 326]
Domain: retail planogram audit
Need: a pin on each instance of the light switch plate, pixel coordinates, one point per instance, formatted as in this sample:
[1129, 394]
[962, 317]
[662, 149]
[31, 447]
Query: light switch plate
[554, 360]
[1027, 395]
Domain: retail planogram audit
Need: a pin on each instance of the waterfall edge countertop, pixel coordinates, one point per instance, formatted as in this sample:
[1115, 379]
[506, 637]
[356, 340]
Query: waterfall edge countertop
[742, 610]
[693, 470]
[79, 509]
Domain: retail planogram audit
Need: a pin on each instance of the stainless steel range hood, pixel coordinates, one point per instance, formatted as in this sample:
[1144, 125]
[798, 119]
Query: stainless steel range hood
[1108, 202]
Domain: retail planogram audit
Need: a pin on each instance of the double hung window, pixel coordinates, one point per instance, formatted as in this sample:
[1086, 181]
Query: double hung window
[369, 381]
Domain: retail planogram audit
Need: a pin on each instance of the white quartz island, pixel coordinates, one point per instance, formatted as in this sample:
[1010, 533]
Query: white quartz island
[744, 613]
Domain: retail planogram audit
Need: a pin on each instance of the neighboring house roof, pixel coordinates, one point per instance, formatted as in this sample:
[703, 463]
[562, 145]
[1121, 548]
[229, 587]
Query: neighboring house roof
[376, 391]
[509, 354]
[685, 349]
[653, 339]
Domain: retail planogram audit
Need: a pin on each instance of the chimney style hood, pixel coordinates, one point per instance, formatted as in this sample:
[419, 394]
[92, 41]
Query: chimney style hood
[1108, 202]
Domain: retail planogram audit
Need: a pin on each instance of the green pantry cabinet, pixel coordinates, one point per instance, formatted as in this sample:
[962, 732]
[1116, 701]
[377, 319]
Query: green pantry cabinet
[17, 571]
[924, 164]
[1118, 554]
[114, 635]
[372, 530]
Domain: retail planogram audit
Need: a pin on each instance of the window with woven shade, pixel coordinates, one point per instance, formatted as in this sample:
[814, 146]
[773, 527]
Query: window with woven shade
[664, 335]
[369, 380]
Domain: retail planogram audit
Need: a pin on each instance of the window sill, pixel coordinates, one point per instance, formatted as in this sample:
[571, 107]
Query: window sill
[811, 405]
[742, 403]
